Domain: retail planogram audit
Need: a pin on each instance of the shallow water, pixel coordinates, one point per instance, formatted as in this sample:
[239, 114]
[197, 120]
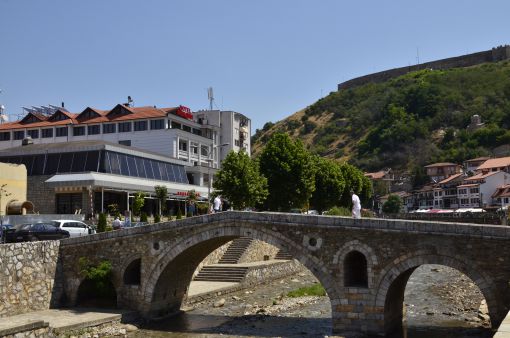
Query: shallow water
[252, 314]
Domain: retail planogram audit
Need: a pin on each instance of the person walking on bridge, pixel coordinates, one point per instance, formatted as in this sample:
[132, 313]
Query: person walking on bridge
[356, 205]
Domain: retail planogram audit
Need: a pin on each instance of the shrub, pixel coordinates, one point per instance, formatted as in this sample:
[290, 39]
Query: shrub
[179, 214]
[99, 275]
[143, 217]
[157, 218]
[101, 223]
[339, 211]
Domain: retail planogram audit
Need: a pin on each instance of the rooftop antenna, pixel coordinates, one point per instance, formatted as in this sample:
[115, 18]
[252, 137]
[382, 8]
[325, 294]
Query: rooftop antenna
[130, 102]
[210, 97]
[3, 117]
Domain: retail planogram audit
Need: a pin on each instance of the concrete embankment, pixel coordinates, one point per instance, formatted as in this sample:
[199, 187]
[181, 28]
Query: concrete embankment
[504, 328]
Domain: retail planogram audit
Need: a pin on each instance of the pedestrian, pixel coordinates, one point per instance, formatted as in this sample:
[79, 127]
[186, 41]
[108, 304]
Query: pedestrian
[217, 204]
[356, 205]
[116, 224]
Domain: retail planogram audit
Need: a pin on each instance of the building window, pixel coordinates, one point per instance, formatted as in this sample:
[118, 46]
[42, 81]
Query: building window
[79, 131]
[62, 131]
[236, 142]
[475, 201]
[124, 127]
[462, 191]
[19, 135]
[47, 133]
[194, 148]
[506, 199]
[197, 132]
[34, 133]
[140, 125]
[474, 190]
[125, 143]
[204, 151]
[157, 124]
[5, 136]
[93, 130]
[176, 125]
[464, 201]
[108, 128]
[183, 145]
[186, 128]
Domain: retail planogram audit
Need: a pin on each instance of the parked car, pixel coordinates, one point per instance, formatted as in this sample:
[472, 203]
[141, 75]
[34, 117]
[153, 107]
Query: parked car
[3, 230]
[36, 232]
[75, 228]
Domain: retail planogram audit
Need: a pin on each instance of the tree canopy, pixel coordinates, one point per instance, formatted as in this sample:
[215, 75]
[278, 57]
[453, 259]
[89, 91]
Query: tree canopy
[240, 181]
[290, 173]
[329, 184]
[392, 205]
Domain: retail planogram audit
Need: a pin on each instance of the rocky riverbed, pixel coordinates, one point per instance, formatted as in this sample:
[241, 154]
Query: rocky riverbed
[439, 302]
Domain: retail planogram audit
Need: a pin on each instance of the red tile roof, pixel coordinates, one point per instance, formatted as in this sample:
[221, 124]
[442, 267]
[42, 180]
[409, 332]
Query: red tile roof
[450, 178]
[133, 113]
[446, 164]
[481, 176]
[503, 191]
[468, 185]
[376, 176]
[495, 163]
[478, 159]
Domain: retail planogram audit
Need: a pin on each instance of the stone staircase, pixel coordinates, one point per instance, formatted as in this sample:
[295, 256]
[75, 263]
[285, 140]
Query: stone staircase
[235, 250]
[282, 254]
[221, 273]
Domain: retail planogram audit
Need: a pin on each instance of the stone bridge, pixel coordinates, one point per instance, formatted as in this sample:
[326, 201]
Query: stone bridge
[363, 264]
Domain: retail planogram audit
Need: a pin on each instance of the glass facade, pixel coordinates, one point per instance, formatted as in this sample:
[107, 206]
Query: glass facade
[100, 161]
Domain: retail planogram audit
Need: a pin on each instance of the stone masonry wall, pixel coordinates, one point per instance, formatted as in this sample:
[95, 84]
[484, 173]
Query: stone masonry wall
[27, 276]
[41, 194]
[257, 250]
[494, 55]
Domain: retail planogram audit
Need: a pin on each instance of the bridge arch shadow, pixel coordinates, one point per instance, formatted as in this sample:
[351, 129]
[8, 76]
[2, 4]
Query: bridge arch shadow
[170, 276]
[394, 278]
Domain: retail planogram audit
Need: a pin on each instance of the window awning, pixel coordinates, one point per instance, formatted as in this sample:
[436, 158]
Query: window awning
[118, 182]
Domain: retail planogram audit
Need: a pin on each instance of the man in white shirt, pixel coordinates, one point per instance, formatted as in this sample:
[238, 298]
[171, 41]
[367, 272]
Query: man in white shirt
[356, 205]
[217, 204]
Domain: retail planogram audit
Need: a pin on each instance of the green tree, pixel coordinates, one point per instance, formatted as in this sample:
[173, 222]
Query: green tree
[329, 184]
[240, 181]
[101, 223]
[161, 195]
[354, 180]
[289, 170]
[392, 205]
[138, 202]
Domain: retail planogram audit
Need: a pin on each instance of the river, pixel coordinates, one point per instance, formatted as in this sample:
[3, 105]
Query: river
[439, 302]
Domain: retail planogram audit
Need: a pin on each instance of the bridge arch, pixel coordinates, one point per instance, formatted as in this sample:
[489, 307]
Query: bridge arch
[366, 250]
[393, 280]
[170, 275]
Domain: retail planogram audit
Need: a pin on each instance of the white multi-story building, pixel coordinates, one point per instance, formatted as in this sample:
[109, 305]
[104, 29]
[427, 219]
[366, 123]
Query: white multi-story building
[477, 190]
[195, 142]
[201, 139]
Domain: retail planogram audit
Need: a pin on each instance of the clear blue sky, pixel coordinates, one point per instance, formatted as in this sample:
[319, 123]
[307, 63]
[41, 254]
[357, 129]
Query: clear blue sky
[264, 58]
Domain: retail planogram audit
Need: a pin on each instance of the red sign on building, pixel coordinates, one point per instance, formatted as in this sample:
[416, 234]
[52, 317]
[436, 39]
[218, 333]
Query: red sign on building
[184, 112]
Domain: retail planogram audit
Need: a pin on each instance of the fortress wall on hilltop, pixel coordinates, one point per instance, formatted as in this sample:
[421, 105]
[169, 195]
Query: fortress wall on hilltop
[494, 55]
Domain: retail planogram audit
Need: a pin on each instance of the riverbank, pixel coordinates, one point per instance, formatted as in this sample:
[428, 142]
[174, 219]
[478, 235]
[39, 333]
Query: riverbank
[439, 302]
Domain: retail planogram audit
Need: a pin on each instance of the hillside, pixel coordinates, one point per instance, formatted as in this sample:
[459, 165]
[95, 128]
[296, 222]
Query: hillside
[408, 121]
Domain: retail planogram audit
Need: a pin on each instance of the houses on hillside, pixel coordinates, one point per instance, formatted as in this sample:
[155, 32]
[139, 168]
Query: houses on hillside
[478, 183]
